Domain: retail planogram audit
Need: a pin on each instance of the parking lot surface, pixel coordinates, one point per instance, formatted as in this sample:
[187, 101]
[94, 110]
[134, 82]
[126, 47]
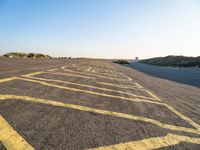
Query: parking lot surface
[92, 104]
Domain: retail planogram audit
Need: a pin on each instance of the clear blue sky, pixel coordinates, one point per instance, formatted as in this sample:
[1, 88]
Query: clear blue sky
[101, 28]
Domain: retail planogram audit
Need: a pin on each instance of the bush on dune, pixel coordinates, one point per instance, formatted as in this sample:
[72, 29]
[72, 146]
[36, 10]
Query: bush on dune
[15, 54]
[173, 61]
[121, 62]
[24, 55]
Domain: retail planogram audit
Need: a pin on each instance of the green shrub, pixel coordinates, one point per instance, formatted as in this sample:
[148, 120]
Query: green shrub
[15, 54]
[30, 55]
[174, 61]
[121, 62]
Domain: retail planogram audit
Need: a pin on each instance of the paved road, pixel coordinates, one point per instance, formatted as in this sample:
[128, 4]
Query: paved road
[189, 75]
[93, 104]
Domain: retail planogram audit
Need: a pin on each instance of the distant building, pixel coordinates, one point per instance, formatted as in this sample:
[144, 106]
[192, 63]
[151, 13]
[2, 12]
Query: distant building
[136, 58]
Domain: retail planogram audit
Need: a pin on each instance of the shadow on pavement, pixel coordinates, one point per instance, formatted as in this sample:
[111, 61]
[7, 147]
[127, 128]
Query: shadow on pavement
[190, 76]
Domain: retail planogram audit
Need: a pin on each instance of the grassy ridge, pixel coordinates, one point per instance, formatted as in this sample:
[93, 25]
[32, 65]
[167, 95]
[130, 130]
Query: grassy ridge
[173, 61]
[25, 55]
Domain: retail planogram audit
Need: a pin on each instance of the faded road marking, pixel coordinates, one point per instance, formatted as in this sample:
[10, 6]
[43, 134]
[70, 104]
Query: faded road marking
[138, 85]
[191, 122]
[34, 73]
[70, 74]
[89, 69]
[93, 87]
[121, 86]
[154, 96]
[100, 111]
[129, 78]
[100, 76]
[100, 73]
[11, 139]
[151, 143]
[91, 92]
[52, 70]
[7, 79]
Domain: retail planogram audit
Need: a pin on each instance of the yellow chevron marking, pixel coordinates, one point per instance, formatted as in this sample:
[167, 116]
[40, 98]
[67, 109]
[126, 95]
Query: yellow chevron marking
[151, 143]
[70, 74]
[100, 111]
[121, 86]
[11, 139]
[90, 92]
[100, 76]
[7, 79]
[93, 87]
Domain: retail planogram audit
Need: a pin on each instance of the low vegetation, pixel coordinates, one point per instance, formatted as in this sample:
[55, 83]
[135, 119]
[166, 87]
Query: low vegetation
[25, 55]
[173, 61]
[121, 62]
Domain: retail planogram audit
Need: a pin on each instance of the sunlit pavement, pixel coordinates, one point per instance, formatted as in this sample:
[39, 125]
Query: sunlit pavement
[88, 105]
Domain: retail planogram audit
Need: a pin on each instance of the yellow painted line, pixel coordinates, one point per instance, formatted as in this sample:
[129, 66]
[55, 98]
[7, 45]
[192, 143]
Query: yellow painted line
[70, 74]
[150, 93]
[197, 126]
[91, 92]
[75, 66]
[52, 70]
[7, 79]
[116, 72]
[100, 76]
[121, 86]
[93, 87]
[190, 121]
[100, 73]
[89, 69]
[129, 78]
[138, 85]
[109, 75]
[154, 96]
[11, 139]
[152, 143]
[72, 65]
[119, 97]
[100, 111]
[34, 73]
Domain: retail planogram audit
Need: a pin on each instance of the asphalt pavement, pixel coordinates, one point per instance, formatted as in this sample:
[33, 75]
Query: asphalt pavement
[93, 104]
